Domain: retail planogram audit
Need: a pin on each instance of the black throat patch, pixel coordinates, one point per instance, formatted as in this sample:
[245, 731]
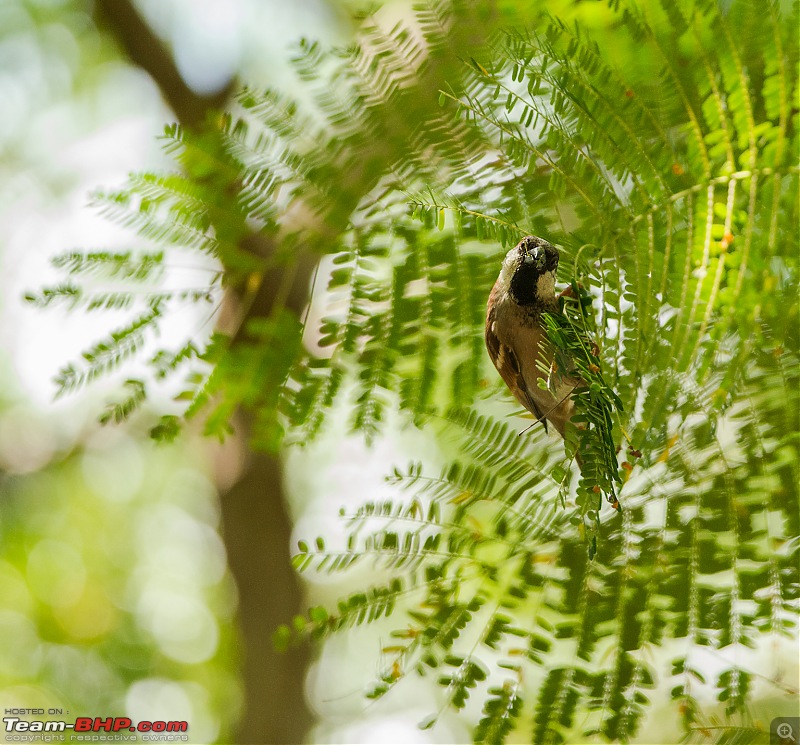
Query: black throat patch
[523, 285]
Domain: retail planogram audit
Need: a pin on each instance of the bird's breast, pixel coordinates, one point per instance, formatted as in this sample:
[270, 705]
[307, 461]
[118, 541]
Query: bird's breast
[520, 329]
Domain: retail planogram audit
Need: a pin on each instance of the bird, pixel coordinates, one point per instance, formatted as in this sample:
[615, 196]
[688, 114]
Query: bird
[523, 315]
[515, 336]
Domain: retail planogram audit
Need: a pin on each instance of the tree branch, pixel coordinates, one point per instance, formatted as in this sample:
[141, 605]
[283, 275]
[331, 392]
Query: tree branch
[146, 50]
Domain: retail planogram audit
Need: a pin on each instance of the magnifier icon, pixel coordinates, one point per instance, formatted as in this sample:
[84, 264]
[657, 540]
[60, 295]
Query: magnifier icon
[785, 731]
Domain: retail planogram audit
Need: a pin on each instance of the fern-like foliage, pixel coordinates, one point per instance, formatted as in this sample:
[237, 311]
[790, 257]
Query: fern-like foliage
[671, 187]
[590, 436]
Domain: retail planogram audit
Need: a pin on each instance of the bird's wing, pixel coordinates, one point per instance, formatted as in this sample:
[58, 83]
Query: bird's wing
[507, 364]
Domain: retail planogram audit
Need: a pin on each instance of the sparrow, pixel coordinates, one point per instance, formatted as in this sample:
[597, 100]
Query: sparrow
[515, 336]
[522, 305]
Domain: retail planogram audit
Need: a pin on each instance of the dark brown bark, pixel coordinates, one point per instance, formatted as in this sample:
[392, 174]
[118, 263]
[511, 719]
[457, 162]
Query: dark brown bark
[256, 537]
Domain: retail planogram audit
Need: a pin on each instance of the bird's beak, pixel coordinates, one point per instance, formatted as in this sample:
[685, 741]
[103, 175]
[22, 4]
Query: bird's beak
[534, 256]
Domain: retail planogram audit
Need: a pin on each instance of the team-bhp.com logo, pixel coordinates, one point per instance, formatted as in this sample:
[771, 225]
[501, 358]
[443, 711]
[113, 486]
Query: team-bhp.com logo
[26, 730]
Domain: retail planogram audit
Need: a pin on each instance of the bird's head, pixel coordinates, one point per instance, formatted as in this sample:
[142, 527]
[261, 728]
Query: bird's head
[529, 271]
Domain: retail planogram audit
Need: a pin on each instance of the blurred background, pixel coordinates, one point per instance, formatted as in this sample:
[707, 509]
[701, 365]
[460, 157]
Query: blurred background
[136, 579]
[128, 580]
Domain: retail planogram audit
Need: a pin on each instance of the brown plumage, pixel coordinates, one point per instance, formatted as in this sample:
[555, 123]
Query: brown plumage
[514, 335]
